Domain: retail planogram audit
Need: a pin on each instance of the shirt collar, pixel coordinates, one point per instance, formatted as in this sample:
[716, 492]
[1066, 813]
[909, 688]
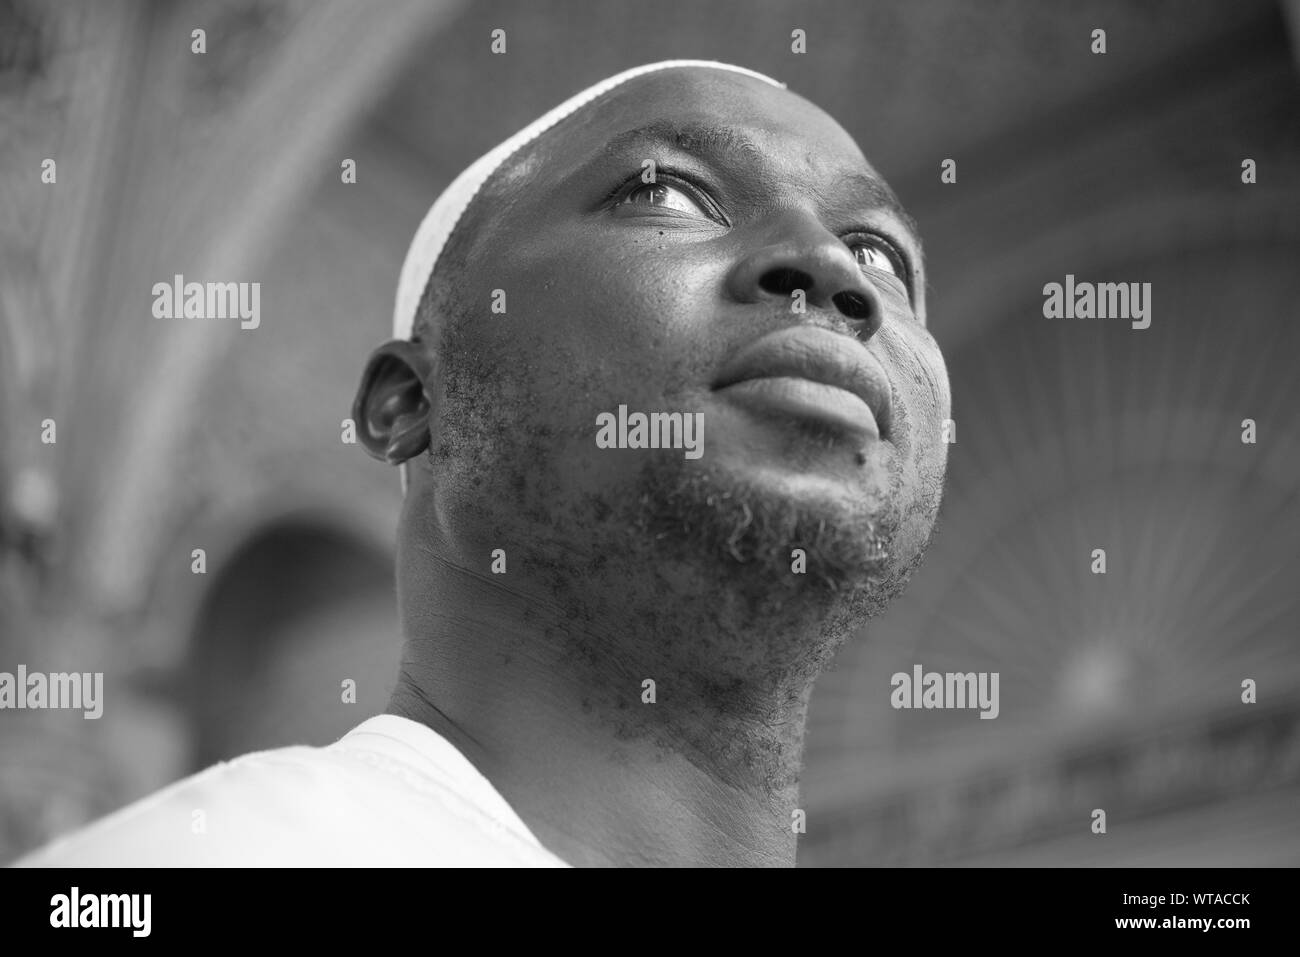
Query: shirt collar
[417, 744]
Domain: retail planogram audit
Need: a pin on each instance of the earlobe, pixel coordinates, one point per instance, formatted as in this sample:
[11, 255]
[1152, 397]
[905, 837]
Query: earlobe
[392, 408]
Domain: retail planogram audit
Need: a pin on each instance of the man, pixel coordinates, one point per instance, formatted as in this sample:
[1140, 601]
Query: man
[669, 422]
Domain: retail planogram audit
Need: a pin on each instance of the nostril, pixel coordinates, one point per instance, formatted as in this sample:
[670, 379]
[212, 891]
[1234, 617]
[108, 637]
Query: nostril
[853, 305]
[782, 282]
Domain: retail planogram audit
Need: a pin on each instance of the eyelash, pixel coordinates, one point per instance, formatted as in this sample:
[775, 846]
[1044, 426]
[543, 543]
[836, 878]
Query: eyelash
[699, 193]
[901, 261]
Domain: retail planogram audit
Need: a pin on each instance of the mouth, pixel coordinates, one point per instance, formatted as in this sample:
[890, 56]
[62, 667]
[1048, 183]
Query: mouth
[812, 374]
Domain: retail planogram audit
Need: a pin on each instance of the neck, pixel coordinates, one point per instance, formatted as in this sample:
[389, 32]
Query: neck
[648, 729]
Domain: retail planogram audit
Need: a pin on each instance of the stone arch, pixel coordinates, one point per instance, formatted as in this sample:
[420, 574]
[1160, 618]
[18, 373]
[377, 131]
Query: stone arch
[297, 607]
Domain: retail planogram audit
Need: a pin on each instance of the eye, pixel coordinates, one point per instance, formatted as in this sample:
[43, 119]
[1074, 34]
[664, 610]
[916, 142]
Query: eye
[662, 195]
[878, 253]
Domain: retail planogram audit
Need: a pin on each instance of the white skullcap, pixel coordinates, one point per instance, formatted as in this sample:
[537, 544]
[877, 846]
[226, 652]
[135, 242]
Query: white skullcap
[440, 221]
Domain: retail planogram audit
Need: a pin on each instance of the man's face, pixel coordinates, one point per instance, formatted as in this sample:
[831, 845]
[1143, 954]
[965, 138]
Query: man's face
[822, 428]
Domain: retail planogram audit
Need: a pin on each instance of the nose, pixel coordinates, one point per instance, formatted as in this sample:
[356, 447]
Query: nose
[804, 254]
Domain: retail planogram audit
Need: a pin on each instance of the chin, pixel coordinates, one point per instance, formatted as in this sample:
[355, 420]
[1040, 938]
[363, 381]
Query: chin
[770, 530]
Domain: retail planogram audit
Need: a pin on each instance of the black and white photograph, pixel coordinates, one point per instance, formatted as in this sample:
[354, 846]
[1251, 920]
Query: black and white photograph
[723, 434]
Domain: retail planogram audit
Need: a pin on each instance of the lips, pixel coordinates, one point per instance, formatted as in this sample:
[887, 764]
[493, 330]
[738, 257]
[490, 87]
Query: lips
[811, 373]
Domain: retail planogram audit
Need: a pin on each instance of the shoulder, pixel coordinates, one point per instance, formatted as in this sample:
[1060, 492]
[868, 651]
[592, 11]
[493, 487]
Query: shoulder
[301, 806]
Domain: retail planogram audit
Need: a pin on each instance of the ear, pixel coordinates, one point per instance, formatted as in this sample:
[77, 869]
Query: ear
[392, 409]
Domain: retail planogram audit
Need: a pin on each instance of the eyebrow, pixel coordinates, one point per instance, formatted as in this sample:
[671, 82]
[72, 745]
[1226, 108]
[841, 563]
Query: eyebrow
[689, 137]
[876, 194]
[705, 138]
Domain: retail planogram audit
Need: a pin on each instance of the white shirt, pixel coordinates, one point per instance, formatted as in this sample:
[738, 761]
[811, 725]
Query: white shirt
[391, 792]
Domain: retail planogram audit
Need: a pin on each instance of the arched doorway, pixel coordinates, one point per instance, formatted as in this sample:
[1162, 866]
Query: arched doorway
[294, 613]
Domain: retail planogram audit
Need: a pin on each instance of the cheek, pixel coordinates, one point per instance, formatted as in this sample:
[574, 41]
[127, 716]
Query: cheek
[935, 371]
[921, 376]
[922, 399]
[918, 372]
[628, 318]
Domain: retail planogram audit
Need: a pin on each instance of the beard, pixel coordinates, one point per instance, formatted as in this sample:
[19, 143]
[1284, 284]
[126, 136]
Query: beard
[834, 557]
[735, 522]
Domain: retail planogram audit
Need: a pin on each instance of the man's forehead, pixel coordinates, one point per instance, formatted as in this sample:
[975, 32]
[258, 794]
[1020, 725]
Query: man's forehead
[707, 110]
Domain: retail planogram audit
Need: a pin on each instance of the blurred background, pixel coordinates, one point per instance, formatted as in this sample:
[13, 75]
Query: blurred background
[1120, 691]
